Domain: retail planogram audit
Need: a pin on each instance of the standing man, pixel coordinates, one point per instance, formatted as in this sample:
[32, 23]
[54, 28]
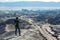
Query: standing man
[17, 26]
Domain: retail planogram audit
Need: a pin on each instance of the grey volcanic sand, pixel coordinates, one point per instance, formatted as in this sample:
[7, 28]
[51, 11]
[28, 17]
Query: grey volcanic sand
[28, 32]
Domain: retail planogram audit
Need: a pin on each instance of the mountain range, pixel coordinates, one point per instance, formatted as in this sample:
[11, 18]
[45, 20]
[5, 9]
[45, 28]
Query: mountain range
[30, 4]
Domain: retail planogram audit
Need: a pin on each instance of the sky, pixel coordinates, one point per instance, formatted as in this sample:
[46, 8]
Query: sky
[29, 0]
[48, 3]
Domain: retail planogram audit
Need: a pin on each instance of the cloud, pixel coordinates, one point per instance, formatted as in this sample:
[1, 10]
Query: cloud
[8, 0]
[29, 0]
[2, 0]
[45, 0]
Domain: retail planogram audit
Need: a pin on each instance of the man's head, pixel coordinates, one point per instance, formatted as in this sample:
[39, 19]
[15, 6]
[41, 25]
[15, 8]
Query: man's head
[16, 17]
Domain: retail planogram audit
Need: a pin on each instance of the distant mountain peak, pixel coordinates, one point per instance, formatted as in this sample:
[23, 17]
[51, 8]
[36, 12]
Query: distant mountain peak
[31, 4]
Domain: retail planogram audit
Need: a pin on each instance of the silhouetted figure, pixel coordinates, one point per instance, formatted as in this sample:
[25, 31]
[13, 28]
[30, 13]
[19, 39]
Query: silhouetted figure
[17, 26]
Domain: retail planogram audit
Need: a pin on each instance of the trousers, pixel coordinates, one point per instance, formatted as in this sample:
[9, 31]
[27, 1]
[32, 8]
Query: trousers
[17, 29]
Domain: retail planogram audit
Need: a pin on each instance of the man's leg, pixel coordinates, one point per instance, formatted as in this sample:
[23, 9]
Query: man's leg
[15, 30]
[19, 31]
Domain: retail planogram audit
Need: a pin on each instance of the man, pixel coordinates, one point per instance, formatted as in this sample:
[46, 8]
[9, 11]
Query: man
[17, 26]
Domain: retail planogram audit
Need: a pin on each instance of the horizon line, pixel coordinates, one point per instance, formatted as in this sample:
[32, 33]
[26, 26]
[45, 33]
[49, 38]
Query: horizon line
[30, 1]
